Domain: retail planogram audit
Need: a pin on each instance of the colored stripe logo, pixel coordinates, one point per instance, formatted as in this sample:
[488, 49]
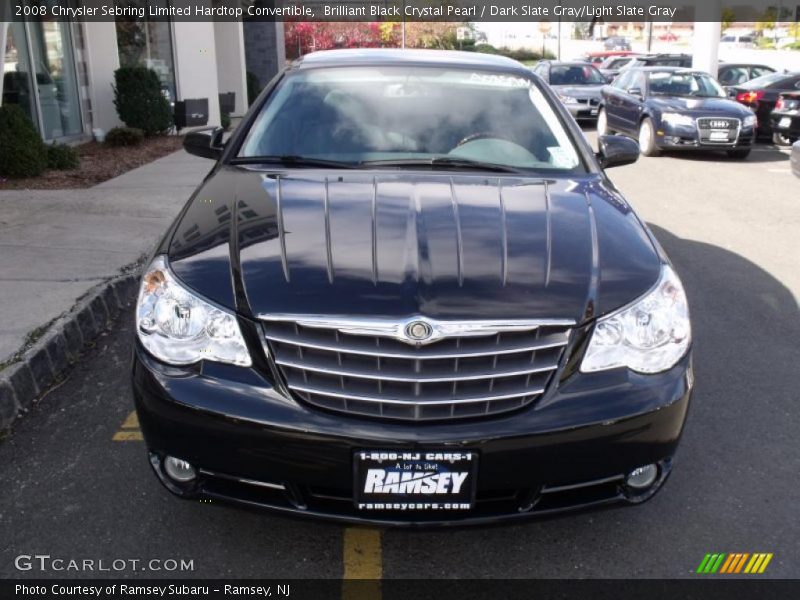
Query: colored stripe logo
[734, 563]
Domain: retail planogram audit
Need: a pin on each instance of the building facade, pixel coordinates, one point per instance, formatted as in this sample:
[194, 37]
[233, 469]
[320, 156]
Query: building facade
[61, 73]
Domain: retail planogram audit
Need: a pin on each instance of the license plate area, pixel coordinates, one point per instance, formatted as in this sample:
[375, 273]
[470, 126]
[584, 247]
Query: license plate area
[785, 122]
[719, 136]
[419, 481]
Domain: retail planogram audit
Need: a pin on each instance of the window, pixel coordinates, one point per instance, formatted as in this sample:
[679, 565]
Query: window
[42, 52]
[676, 83]
[149, 44]
[623, 81]
[734, 75]
[365, 114]
[575, 75]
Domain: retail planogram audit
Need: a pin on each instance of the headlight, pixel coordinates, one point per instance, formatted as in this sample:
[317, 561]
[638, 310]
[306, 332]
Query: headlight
[750, 121]
[648, 336]
[568, 99]
[677, 119]
[179, 328]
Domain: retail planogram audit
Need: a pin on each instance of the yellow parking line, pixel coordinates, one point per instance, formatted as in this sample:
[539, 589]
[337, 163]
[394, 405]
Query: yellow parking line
[363, 566]
[128, 436]
[131, 421]
[129, 430]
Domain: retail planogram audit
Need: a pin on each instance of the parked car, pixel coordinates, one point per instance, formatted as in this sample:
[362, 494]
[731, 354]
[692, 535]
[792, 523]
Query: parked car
[795, 158]
[374, 309]
[662, 60]
[735, 73]
[577, 85]
[612, 66]
[668, 36]
[785, 119]
[598, 57]
[616, 42]
[737, 41]
[675, 109]
[761, 95]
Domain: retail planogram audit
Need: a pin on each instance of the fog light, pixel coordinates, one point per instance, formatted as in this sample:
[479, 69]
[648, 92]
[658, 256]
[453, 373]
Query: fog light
[642, 478]
[179, 470]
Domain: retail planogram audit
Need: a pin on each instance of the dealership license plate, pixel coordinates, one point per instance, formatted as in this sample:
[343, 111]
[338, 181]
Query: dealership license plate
[594, 112]
[415, 481]
[718, 136]
[785, 122]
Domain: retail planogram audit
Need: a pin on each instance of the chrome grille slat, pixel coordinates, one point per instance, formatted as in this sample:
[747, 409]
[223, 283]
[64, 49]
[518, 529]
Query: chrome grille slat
[426, 353]
[421, 377]
[386, 400]
[464, 375]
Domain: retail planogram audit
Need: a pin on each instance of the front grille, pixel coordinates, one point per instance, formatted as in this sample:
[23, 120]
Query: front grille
[709, 127]
[455, 377]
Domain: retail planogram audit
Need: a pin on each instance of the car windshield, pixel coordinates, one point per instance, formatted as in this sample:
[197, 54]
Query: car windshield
[376, 116]
[670, 83]
[575, 75]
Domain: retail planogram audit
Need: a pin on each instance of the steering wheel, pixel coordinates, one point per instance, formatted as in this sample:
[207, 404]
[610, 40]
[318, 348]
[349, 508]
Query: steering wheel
[483, 135]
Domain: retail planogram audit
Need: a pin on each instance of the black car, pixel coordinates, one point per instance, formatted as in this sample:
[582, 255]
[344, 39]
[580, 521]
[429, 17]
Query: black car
[577, 85]
[612, 65]
[408, 293]
[729, 74]
[675, 109]
[785, 119]
[761, 95]
[664, 60]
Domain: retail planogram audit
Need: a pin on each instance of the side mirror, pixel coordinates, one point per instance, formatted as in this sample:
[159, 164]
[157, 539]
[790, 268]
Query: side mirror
[205, 143]
[616, 151]
[635, 92]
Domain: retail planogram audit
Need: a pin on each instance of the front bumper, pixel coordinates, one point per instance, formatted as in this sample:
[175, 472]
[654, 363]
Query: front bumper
[685, 137]
[583, 111]
[256, 447]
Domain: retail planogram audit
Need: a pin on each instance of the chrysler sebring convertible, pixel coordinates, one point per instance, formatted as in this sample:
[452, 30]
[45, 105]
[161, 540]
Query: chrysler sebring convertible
[407, 294]
[668, 108]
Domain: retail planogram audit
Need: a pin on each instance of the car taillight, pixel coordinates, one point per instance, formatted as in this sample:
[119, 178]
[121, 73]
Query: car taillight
[750, 97]
[779, 105]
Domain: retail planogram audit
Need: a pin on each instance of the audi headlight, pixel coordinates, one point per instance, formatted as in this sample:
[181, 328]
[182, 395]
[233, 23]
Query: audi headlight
[677, 119]
[648, 336]
[750, 121]
[180, 328]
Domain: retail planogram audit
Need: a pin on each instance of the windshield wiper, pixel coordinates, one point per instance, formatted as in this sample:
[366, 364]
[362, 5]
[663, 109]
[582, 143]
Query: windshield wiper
[293, 160]
[443, 161]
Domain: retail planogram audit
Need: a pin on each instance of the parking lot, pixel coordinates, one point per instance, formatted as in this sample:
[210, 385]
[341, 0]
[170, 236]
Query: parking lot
[76, 483]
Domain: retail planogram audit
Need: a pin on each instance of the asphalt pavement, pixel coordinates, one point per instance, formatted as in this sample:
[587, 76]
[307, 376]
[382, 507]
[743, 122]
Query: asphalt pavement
[75, 484]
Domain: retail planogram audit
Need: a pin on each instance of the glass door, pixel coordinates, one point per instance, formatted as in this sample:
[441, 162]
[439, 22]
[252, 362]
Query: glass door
[56, 81]
[17, 88]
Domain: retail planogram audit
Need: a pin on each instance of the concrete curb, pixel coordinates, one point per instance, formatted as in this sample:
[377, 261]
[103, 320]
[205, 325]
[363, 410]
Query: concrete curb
[47, 360]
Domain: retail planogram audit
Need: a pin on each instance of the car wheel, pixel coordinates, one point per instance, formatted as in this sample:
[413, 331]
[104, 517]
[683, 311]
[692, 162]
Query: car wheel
[647, 138]
[780, 140]
[602, 123]
[740, 154]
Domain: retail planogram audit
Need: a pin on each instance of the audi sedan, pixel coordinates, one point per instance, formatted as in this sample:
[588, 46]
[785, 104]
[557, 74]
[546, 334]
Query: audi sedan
[669, 108]
[407, 293]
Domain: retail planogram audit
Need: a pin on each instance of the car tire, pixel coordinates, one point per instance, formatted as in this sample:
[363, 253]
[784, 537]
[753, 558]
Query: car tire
[739, 154]
[647, 138]
[602, 123]
[781, 140]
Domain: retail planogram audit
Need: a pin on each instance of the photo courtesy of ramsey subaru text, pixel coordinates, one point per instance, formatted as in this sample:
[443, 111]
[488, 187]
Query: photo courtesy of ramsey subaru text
[408, 294]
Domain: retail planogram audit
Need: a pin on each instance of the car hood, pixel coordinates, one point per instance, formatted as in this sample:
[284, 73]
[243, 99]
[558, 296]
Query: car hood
[699, 106]
[406, 243]
[579, 91]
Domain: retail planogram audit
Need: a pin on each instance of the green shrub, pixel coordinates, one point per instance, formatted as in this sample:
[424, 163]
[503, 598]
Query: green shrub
[225, 121]
[253, 87]
[139, 101]
[22, 152]
[62, 158]
[124, 136]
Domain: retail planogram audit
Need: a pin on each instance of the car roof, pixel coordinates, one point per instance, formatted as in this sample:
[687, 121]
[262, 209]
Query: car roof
[568, 63]
[383, 56]
[666, 70]
[742, 64]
